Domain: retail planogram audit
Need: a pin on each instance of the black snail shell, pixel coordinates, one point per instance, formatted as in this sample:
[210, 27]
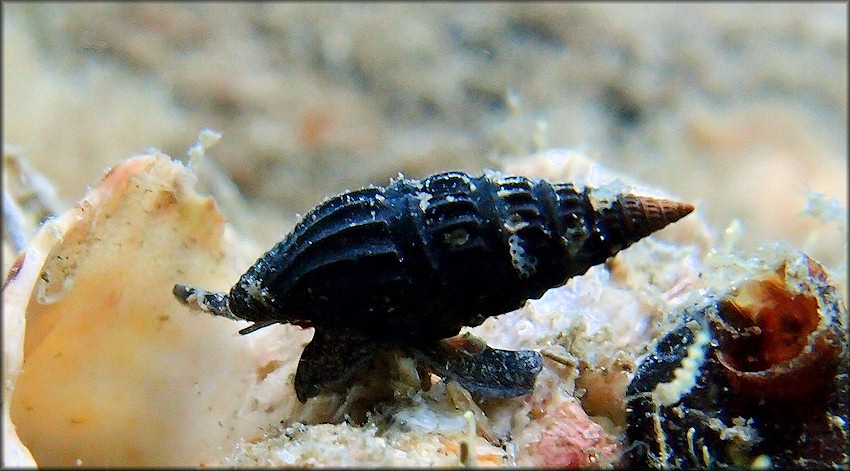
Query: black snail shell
[411, 264]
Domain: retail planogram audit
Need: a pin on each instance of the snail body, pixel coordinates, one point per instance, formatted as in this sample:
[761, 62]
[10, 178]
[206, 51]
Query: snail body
[412, 263]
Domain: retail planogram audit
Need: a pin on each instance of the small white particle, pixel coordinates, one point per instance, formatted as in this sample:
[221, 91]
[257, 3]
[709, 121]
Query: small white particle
[423, 198]
[286, 456]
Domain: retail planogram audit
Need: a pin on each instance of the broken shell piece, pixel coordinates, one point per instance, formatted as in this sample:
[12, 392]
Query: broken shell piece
[110, 370]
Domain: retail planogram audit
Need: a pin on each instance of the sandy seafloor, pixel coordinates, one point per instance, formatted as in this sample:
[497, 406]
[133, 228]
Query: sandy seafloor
[740, 109]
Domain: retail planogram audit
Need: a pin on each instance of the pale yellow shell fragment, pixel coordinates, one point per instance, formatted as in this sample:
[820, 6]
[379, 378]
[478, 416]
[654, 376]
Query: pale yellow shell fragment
[111, 369]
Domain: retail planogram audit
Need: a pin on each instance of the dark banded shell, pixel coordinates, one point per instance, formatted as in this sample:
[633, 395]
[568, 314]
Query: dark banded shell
[416, 261]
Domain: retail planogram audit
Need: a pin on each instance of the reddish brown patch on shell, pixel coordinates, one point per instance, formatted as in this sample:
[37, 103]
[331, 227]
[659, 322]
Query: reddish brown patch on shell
[774, 341]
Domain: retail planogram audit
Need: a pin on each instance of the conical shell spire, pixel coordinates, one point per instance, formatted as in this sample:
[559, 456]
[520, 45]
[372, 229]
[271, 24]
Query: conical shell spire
[625, 220]
[643, 215]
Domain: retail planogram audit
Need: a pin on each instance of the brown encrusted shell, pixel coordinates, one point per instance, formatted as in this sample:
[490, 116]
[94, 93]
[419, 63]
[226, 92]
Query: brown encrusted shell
[758, 375]
[777, 342]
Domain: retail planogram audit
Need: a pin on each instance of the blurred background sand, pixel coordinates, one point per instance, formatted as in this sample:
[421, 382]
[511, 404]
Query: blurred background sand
[739, 108]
